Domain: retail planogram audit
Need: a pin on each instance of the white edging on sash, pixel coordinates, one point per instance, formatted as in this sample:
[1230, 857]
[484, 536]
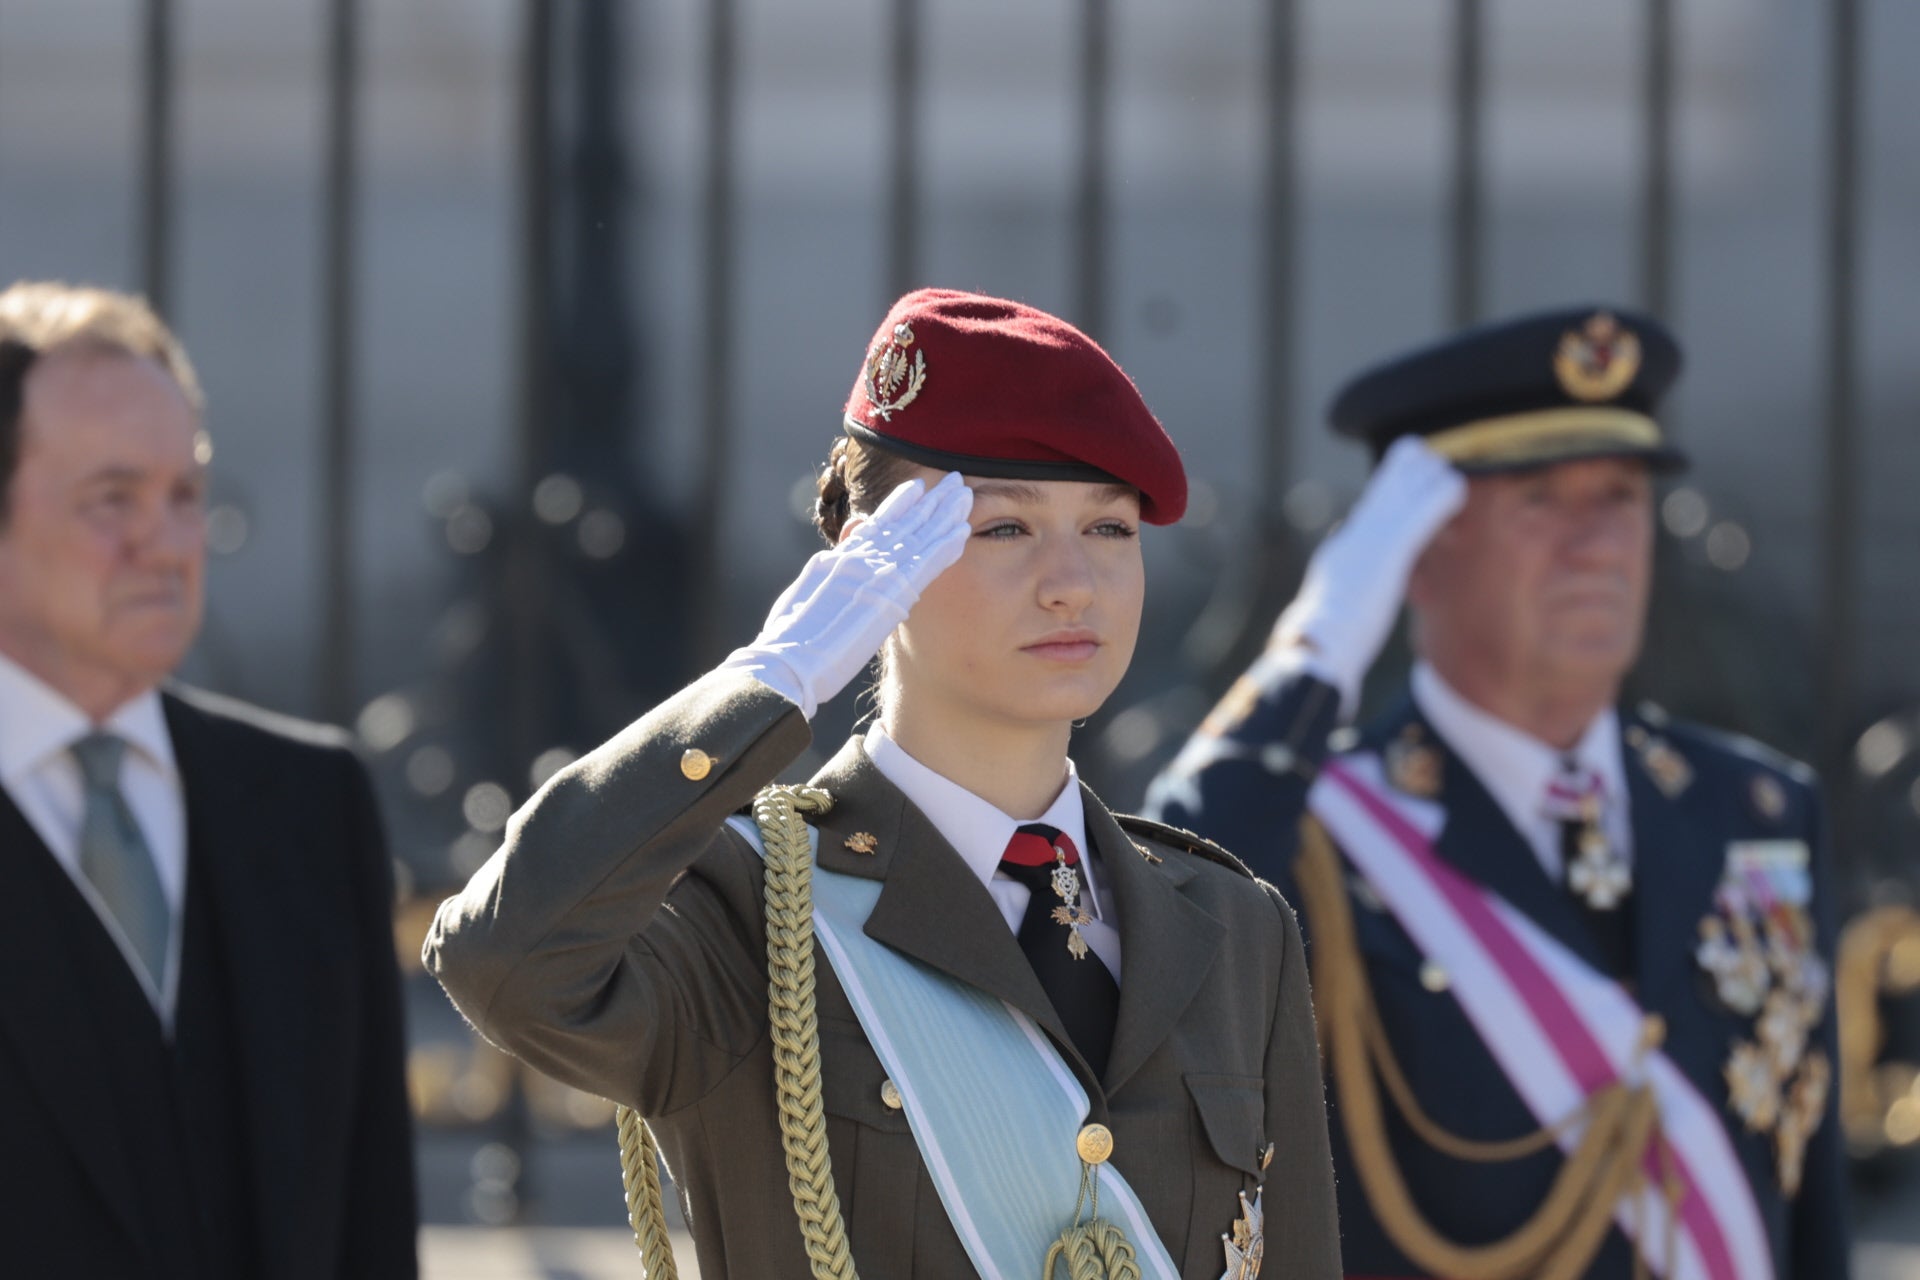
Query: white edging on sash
[996, 1055]
[1559, 1030]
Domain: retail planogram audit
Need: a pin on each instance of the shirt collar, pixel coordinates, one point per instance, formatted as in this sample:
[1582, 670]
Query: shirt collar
[1514, 766]
[38, 722]
[976, 829]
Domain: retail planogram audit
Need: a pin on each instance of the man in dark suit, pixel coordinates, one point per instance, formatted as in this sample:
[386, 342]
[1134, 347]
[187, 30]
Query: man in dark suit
[1571, 963]
[200, 1040]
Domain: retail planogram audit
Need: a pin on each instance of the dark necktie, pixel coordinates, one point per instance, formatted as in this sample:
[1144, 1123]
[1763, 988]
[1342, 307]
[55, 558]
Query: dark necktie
[1083, 992]
[1595, 876]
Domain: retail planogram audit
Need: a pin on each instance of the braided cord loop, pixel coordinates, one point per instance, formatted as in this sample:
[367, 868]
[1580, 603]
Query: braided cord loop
[640, 1177]
[795, 1024]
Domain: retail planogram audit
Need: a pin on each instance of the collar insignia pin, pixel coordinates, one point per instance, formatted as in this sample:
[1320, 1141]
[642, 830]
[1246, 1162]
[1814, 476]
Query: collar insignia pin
[862, 842]
[1413, 766]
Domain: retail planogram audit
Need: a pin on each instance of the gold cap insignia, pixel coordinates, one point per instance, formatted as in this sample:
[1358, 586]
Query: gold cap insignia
[1597, 362]
[893, 382]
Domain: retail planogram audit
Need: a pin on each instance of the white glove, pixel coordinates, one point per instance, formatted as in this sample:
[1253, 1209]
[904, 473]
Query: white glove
[1358, 575]
[848, 599]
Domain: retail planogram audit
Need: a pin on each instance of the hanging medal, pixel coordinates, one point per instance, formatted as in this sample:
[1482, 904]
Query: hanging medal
[1066, 887]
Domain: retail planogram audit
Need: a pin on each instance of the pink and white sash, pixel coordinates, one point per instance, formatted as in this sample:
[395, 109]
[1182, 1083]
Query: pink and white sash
[1560, 1030]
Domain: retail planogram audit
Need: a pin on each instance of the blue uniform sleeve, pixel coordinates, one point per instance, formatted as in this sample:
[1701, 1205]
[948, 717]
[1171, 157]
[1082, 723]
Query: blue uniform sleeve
[1242, 779]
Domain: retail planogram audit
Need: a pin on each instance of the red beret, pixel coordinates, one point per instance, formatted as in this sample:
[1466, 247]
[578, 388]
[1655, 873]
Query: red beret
[988, 387]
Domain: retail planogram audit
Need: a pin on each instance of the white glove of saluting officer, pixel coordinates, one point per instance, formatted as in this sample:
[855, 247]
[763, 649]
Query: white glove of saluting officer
[1357, 577]
[848, 599]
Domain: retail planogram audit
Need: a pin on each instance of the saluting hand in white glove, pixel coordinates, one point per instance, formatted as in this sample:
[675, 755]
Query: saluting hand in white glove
[848, 599]
[1358, 576]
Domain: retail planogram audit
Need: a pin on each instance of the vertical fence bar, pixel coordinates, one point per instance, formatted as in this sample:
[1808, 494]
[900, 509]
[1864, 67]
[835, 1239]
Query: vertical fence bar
[1090, 188]
[1469, 163]
[1840, 552]
[155, 233]
[716, 324]
[903, 144]
[337, 368]
[1279, 227]
[1656, 213]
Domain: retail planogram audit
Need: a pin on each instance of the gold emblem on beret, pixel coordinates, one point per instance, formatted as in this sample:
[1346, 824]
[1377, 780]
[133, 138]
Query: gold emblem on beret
[862, 842]
[893, 382]
[1598, 361]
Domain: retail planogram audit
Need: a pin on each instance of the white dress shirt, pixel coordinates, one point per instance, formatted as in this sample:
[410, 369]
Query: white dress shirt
[37, 726]
[980, 833]
[1516, 768]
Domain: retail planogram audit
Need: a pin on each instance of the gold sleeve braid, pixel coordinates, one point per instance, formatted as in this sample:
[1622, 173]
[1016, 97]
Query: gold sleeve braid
[1562, 1237]
[1093, 1250]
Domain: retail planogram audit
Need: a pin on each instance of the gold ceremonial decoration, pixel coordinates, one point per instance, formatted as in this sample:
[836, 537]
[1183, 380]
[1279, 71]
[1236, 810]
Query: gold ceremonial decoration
[1600, 874]
[1545, 434]
[696, 764]
[1598, 362]
[862, 842]
[1616, 1126]
[1066, 886]
[1247, 1246]
[892, 382]
[1094, 1143]
[890, 1095]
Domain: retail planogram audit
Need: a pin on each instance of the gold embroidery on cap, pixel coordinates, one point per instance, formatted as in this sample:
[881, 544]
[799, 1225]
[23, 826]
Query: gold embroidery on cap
[892, 383]
[1599, 361]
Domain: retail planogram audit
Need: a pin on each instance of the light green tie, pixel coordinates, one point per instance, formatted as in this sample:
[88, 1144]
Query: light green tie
[115, 857]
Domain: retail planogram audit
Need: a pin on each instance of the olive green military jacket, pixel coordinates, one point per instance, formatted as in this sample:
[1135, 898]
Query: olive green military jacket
[616, 941]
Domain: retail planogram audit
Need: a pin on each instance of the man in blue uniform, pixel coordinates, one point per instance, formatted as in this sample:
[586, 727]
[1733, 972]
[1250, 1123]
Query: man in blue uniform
[1571, 963]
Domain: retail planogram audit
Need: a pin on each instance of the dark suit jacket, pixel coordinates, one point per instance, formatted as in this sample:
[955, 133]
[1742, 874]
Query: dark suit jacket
[289, 894]
[617, 942]
[1237, 789]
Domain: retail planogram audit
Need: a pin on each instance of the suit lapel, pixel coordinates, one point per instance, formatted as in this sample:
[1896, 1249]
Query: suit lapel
[931, 907]
[273, 949]
[1171, 941]
[1481, 842]
[1670, 835]
[53, 1040]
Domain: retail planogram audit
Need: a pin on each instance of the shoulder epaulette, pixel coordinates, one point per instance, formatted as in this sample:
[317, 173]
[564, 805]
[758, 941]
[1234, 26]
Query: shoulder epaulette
[1181, 838]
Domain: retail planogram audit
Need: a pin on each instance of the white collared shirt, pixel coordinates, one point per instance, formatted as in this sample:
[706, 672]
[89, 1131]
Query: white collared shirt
[1516, 768]
[979, 832]
[37, 726]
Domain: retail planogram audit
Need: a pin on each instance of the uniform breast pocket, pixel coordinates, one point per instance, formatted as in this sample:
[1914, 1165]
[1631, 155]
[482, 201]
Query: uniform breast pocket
[1229, 1131]
[876, 1167]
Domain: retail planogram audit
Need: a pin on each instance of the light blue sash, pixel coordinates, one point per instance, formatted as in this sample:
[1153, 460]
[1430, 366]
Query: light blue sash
[992, 1106]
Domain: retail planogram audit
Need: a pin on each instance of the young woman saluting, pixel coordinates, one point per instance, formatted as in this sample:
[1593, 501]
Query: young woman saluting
[1021, 1025]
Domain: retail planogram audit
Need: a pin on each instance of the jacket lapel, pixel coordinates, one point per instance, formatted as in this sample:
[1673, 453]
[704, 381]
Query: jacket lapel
[931, 906]
[1171, 942]
[1671, 836]
[53, 1040]
[1481, 842]
[275, 966]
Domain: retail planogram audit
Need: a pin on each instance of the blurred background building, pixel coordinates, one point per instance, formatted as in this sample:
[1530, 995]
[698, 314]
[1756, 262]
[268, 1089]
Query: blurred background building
[526, 324]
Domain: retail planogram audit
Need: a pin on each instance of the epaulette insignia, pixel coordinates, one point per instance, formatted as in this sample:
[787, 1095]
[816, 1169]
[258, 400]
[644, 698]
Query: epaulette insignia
[1181, 839]
[1414, 764]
